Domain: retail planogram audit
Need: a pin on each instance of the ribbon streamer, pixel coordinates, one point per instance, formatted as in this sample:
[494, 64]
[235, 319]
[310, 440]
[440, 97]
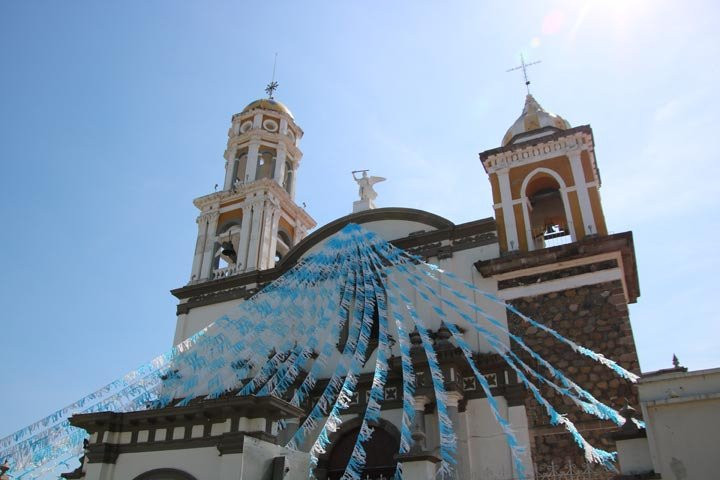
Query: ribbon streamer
[283, 340]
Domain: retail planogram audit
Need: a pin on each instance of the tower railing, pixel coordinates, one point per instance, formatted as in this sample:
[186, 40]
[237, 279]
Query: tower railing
[224, 272]
[546, 236]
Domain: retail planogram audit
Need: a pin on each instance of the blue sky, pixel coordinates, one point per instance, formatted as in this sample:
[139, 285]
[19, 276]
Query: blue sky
[113, 117]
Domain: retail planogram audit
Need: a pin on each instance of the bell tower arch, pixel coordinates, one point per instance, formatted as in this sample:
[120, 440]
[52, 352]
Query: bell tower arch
[545, 182]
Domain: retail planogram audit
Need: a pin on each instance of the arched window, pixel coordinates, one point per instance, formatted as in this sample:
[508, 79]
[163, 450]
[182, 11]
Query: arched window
[265, 165]
[165, 474]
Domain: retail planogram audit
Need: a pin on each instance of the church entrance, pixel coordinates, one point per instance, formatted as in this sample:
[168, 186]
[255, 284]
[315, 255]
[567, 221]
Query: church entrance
[380, 449]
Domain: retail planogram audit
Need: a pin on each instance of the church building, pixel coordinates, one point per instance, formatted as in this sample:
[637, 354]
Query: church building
[546, 251]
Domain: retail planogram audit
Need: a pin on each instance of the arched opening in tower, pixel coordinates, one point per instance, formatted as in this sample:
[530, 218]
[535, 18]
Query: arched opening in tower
[240, 167]
[548, 219]
[227, 246]
[265, 165]
[283, 245]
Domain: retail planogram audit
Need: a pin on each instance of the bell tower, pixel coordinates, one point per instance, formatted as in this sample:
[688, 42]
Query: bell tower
[253, 221]
[544, 182]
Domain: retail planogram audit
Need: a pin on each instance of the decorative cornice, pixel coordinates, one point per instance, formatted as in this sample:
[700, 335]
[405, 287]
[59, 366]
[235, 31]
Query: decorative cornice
[103, 453]
[248, 406]
[555, 258]
[263, 189]
[537, 149]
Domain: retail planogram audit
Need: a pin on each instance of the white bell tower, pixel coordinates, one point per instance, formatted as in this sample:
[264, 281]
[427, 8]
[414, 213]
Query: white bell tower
[253, 221]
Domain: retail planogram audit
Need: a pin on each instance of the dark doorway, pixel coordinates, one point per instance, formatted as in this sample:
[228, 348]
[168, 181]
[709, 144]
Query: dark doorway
[380, 449]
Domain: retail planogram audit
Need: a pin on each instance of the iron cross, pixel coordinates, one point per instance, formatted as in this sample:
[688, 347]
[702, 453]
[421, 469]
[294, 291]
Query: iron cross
[523, 66]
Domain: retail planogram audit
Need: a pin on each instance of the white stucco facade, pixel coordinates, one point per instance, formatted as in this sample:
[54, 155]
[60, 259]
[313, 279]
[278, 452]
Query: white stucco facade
[682, 414]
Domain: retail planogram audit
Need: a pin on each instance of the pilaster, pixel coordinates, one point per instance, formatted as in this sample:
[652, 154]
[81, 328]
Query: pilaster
[589, 226]
[280, 163]
[202, 224]
[461, 470]
[420, 402]
[230, 167]
[511, 233]
[293, 183]
[517, 416]
[243, 243]
[268, 216]
[254, 245]
[252, 159]
[273, 236]
[209, 250]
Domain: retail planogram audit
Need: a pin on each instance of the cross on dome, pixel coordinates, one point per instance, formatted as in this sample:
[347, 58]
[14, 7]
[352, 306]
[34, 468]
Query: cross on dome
[523, 66]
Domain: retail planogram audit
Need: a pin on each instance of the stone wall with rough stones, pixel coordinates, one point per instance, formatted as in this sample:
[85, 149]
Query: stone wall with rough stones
[595, 316]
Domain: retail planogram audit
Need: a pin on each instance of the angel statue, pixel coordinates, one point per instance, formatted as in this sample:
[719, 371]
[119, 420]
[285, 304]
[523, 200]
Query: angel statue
[366, 191]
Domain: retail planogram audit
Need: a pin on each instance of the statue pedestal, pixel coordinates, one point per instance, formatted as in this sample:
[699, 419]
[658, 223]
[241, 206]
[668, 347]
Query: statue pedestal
[360, 205]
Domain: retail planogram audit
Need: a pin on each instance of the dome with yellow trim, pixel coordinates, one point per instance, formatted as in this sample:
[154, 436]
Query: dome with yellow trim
[268, 104]
[533, 117]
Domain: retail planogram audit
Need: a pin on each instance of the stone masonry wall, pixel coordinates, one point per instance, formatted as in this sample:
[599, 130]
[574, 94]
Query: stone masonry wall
[595, 316]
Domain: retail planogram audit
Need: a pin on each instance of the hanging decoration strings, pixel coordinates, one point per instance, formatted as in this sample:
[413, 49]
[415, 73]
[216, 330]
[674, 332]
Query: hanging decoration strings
[283, 341]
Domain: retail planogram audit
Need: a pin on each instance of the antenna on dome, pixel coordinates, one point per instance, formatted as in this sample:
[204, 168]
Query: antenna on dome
[523, 66]
[273, 85]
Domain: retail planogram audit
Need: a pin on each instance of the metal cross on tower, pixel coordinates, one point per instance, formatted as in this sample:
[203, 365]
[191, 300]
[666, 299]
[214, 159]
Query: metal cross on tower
[523, 66]
[273, 85]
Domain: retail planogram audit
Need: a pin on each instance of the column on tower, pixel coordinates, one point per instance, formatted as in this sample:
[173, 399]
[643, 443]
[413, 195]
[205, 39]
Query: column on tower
[280, 164]
[243, 243]
[209, 250]
[254, 245]
[293, 167]
[252, 160]
[582, 192]
[268, 235]
[202, 223]
[230, 168]
[508, 210]
[272, 241]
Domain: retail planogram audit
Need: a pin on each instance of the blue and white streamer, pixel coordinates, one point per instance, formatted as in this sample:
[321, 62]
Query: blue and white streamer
[282, 342]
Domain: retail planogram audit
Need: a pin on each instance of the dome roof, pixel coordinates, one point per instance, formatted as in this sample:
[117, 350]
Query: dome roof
[268, 104]
[533, 117]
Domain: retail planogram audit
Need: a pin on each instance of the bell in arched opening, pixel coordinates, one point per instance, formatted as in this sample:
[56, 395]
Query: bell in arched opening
[548, 219]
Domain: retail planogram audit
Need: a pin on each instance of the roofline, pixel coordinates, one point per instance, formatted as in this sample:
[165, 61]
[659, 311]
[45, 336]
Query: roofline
[365, 216]
[445, 230]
